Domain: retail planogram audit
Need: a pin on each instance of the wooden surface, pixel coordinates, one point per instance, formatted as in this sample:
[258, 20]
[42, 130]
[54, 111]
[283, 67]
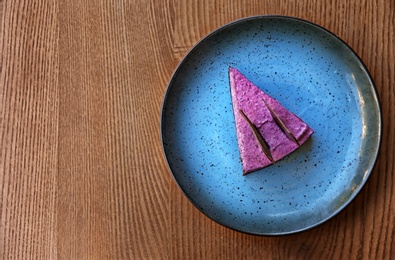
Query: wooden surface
[82, 175]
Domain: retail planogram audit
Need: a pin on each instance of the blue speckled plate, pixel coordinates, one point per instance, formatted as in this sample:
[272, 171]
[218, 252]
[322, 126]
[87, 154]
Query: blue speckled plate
[312, 73]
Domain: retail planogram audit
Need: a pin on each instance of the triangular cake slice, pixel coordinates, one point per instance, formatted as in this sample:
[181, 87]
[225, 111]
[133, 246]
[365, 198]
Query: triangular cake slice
[266, 131]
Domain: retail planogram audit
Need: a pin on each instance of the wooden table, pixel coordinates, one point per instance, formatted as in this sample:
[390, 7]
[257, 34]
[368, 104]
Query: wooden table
[82, 174]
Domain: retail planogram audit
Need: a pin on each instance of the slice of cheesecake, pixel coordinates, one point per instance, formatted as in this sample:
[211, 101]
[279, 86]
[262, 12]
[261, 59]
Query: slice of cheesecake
[266, 131]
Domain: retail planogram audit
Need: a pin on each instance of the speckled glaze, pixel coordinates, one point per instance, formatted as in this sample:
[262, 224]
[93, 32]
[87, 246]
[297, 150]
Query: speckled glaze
[309, 71]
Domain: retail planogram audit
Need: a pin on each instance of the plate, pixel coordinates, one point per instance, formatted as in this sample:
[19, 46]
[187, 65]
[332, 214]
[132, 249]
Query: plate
[315, 75]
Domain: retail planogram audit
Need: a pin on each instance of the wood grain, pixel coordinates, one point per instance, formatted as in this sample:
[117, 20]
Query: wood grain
[110, 169]
[82, 174]
[28, 129]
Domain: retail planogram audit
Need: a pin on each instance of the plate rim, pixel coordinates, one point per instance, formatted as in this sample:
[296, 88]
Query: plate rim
[300, 20]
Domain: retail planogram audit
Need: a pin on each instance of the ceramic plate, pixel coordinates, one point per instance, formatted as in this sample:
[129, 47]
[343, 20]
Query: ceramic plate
[315, 75]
